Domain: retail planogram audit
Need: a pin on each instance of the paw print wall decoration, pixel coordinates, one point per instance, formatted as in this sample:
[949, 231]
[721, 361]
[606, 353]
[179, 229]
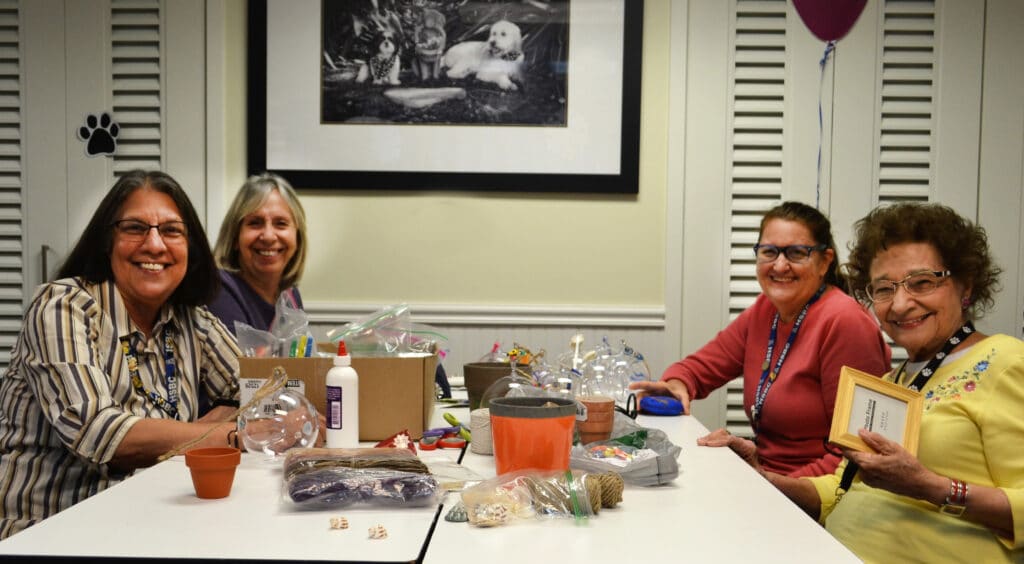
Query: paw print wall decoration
[100, 135]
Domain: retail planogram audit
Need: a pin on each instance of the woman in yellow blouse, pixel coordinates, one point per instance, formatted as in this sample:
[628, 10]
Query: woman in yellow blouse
[927, 273]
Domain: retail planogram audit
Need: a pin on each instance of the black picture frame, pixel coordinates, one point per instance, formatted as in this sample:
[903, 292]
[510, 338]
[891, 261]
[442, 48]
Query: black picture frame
[626, 181]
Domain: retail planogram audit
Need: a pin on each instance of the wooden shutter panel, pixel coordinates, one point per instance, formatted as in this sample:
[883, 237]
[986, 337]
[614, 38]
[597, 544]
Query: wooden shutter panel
[136, 83]
[906, 120]
[12, 255]
[758, 118]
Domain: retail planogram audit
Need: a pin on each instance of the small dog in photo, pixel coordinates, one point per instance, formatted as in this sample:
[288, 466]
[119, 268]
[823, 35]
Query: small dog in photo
[498, 60]
[430, 39]
[383, 67]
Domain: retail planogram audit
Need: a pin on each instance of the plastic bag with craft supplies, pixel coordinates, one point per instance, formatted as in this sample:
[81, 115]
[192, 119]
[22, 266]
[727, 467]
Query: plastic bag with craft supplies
[382, 333]
[389, 331]
[320, 478]
[533, 494]
[641, 455]
[289, 334]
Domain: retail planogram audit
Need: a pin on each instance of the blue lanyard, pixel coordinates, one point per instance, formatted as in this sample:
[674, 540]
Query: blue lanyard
[169, 405]
[768, 376]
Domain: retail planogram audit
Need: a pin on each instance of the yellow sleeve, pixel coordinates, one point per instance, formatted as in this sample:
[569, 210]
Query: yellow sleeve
[827, 487]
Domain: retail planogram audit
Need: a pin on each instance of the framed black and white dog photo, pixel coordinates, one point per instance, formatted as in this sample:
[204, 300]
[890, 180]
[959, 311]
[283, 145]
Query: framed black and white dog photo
[492, 95]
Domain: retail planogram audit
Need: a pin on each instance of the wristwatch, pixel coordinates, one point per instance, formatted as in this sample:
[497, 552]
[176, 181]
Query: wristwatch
[956, 501]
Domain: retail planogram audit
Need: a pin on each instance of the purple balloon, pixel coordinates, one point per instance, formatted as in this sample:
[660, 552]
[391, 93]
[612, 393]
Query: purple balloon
[829, 20]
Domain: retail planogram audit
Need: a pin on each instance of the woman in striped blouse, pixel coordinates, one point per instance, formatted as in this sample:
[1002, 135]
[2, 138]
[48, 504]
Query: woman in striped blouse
[106, 372]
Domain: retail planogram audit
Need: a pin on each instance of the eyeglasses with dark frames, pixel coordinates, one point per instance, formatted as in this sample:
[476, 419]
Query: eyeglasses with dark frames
[136, 230]
[916, 284]
[793, 253]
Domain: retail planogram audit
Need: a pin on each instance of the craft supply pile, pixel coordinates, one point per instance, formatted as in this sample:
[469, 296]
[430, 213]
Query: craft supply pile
[561, 429]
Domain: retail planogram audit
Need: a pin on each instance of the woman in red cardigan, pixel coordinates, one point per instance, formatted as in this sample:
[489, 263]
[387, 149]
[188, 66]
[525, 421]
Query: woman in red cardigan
[788, 347]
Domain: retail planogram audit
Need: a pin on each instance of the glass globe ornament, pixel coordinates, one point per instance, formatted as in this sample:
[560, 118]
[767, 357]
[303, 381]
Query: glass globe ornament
[511, 386]
[619, 375]
[639, 371]
[285, 419]
[558, 382]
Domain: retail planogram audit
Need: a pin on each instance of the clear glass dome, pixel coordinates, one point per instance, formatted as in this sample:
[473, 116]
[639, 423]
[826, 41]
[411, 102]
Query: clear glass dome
[286, 419]
[511, 386]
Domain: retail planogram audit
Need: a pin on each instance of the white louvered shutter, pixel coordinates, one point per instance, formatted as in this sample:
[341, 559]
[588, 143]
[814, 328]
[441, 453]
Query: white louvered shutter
[141, 61]
[758, 121]
[913, 118]
[11, 243]
[136, 79]
[905, 124]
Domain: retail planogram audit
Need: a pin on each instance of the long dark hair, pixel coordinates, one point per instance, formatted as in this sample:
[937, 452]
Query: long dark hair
[90, 259]
[820, 228]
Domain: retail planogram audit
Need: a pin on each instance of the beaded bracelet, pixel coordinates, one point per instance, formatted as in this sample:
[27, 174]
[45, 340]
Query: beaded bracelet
[957, 492]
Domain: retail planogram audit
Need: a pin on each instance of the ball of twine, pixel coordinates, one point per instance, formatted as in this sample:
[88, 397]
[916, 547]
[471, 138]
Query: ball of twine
[480, 427]
[612, 485]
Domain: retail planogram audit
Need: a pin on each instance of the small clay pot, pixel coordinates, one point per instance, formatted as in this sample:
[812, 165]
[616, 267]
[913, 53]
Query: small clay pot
[213, 470]
[600, 418]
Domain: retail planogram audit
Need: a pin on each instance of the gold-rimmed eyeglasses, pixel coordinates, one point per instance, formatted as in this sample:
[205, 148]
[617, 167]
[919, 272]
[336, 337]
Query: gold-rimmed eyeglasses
[916, 284]
[136, 230]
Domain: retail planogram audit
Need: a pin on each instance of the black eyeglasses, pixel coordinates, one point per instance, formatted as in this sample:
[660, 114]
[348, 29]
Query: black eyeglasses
[135, 230]
[794, 253]
[916, 284]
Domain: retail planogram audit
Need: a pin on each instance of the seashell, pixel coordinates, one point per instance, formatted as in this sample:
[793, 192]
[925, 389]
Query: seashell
[457, 514]
[339, 523]
[378, 532]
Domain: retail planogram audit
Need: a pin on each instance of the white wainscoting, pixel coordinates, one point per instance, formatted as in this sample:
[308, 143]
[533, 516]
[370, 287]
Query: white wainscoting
[473, 329]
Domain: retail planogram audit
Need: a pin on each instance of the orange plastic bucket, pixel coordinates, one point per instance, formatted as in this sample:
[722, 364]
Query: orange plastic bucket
[532, 433]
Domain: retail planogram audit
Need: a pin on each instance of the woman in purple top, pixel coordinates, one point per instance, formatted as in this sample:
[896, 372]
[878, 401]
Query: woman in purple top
[261, 250]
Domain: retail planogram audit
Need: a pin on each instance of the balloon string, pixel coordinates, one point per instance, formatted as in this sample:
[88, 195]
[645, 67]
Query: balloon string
[829, 47]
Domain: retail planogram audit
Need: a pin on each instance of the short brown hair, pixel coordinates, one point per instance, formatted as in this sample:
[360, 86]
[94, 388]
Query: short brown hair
[961, 244]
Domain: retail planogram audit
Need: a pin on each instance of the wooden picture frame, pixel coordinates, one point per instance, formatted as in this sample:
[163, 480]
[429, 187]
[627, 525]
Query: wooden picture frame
[597, 150]
[864, 401]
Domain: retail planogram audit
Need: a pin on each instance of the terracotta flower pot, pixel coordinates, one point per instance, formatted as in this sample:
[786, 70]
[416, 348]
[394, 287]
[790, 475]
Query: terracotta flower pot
[596, 424]
[213, 470]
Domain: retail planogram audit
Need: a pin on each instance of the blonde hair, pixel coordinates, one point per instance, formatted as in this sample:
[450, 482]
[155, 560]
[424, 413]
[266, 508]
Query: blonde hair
[250, 197]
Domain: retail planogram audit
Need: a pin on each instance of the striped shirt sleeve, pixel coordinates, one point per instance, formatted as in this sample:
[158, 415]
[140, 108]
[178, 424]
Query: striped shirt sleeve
[70, 371]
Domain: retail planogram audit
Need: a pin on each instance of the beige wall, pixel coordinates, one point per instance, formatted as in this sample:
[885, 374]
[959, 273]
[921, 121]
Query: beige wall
[476, 248]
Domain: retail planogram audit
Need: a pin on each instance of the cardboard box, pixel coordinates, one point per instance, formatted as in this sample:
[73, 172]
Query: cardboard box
[395, 393]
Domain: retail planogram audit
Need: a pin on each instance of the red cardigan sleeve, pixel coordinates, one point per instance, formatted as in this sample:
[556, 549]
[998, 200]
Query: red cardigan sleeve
[717, 362]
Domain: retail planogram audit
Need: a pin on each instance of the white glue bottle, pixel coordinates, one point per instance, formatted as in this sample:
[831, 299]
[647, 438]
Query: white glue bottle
[342, 402]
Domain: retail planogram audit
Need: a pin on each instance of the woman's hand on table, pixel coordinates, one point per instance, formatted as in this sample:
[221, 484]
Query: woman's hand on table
[673, 387]
[745, 448]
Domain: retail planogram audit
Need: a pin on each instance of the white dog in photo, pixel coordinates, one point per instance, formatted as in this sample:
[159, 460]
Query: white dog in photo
[498, 60]
[384, 66]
